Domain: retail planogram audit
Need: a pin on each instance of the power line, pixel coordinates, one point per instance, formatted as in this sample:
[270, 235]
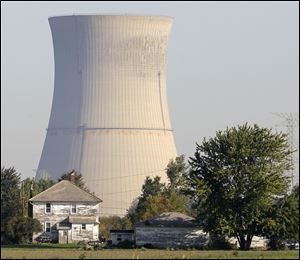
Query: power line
[123, 176]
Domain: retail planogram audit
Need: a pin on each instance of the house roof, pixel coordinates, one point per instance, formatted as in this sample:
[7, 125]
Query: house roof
[65, 191]
[83, 219]
[169, 219]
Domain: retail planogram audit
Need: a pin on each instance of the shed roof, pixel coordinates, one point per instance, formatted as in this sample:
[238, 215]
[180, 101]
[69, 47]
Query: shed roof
[169, 219]
[123, 231]
[65, 191]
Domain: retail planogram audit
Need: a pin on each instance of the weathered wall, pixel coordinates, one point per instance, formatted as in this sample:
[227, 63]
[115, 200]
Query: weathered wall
[78, 234]
[124, 236]
[170, 237]
[60, 212]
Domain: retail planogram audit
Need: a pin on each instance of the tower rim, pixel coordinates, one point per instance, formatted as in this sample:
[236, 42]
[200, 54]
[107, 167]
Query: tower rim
[136, 16]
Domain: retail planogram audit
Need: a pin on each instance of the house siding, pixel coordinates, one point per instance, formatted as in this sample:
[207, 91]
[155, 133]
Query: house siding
[170, 237]
[60, 211]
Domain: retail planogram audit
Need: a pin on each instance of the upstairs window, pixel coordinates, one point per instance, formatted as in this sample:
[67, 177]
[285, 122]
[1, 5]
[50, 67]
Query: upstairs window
[48, 207]
[83, 226]
[73, 209]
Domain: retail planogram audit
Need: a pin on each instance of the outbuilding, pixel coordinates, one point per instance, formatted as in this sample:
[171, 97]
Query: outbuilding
[119, 236]
[170, 229]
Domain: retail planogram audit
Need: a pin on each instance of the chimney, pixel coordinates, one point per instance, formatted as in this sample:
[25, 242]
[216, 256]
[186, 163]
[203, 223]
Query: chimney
[72, 177]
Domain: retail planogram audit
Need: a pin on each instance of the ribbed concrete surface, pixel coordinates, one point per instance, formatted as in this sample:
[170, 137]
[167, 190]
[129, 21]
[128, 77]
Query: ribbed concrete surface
[109, 117]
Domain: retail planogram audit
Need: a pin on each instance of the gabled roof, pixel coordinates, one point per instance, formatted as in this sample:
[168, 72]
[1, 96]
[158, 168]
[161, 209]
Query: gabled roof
[65, 191]
[169, 219]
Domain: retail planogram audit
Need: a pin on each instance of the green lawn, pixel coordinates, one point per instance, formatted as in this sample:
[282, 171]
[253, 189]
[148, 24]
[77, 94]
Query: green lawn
[73, 252]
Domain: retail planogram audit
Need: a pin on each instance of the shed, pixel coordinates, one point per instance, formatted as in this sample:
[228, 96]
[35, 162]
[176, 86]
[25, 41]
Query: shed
[118, 236]
[170, 229]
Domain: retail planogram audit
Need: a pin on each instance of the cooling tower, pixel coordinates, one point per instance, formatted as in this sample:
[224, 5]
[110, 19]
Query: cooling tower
[109, 118]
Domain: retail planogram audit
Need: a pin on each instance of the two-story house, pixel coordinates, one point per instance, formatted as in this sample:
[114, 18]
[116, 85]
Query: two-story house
[67, 213]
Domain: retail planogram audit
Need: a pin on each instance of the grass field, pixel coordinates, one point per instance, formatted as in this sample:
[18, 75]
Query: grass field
[73, 252]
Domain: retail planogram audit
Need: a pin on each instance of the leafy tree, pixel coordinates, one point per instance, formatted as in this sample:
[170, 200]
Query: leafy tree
[32, 187]
[283, 219]
[175, 171]
[151, 187]
[74, 177]
[20, 229]
[10, 198]
[113, 222]
[15, 228]
[157, 197]
[161, 203]
[234, 177]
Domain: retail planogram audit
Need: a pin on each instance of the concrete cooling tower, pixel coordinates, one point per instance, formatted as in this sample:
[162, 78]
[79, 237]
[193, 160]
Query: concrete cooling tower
[109, 117]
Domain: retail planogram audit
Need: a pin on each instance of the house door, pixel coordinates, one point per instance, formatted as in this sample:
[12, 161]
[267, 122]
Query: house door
[63, 236]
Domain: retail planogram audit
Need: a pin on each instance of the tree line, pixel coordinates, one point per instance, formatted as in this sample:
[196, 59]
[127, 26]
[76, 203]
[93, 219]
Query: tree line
[17, 224]
[234, 185]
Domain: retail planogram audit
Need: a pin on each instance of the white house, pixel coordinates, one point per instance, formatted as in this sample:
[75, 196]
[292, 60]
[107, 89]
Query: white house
[67, 213]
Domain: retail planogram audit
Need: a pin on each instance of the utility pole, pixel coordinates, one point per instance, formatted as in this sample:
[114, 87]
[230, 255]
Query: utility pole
[290, 122]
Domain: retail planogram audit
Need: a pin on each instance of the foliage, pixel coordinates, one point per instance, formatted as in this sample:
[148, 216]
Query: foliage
[151, 187]
[113, 222]
[15, 226]
[10, 193]
[10, 200]
[74, 177]
[283, 220]
[19, 229]
[32, 187]
[175, 171]
[234, 177]
[157, 197]
[161, 203]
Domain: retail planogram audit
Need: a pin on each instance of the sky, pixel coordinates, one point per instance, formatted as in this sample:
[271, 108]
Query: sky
[228, 63]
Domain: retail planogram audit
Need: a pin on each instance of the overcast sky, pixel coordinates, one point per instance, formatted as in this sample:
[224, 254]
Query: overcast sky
[228, 63]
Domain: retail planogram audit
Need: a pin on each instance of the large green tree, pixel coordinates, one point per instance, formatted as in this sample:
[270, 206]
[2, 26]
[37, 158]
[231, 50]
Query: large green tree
[16, 227]
[234, 176]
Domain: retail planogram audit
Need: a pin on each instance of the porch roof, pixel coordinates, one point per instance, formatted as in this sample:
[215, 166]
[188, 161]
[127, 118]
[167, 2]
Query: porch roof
[83, 220]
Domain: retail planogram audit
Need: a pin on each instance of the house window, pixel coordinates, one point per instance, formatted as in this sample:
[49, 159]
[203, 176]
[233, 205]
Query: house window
[47, 227]
[73, 208]
[48, 208]
[119, 237]
[83, 226]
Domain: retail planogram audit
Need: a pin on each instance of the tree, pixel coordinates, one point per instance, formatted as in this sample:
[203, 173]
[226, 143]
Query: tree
[234, 177]
[283, 219]
[157, 197]
[75, 177]
[113, 222]
[175, 171]
[19, 229]
[151, 187]
[161, 203]
[34, 187]
[16, 227]
[10, 198]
